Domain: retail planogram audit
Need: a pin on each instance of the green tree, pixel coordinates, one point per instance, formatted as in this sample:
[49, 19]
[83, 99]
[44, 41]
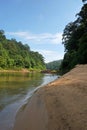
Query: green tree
[15, 54]
[82, 51]
[2, 36]
[75, 41]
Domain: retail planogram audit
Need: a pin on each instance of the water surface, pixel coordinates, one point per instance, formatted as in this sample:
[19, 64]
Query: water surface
[15, 89]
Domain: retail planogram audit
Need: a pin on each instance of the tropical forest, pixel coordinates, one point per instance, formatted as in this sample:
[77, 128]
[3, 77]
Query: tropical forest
[16, 55]
[75, 41]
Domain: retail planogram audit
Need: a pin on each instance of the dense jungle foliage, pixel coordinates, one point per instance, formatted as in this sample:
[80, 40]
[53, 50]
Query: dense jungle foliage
[15, 55]
[75, 41]
[54, 65]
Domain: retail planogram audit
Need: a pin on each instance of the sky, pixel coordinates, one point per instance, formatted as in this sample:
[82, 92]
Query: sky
[39, 23]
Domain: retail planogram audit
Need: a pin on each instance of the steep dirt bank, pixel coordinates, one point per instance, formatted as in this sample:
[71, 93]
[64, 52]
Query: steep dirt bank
[60, 105]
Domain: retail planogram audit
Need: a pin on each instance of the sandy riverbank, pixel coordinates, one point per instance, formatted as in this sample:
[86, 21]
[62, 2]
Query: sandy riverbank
[60, 105]
[14, 71]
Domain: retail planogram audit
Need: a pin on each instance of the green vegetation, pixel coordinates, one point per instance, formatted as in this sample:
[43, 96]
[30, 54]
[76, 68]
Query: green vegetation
[75, 41]
[15, 55]
[54, 65]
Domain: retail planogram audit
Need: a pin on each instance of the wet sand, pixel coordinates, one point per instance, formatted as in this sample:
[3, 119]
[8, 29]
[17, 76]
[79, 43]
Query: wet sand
[60, 105]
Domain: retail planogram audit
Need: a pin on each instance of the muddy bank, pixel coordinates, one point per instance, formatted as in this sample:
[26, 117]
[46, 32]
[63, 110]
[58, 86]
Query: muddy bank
[60, 105]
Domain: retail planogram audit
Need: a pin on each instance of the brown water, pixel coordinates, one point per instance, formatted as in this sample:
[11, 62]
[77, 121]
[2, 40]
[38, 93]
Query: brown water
[15, 90]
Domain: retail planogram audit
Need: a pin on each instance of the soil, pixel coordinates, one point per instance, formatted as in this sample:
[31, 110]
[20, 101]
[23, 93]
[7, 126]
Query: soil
[60, 105]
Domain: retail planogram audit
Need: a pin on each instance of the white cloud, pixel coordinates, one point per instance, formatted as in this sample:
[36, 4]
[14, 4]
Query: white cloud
[57, 38]
[50, 55]
[44, 38]
[38, 38]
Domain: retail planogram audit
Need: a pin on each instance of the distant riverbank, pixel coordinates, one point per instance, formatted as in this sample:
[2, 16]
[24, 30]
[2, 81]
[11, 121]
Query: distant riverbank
[60, 105]
[27, 71]
[19, 70]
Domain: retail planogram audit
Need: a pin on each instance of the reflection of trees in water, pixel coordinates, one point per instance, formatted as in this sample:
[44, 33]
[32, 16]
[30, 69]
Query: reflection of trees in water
[15, 86]
[18, 76]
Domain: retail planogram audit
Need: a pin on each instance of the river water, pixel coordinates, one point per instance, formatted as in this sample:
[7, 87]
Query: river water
[15, 90]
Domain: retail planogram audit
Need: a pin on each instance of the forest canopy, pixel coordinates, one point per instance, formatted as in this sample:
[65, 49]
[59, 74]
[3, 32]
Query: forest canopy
[75, 41]
[54, 65]
[15, 55]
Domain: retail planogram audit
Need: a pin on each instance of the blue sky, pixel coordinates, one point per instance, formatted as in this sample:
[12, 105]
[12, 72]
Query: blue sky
[39, 23]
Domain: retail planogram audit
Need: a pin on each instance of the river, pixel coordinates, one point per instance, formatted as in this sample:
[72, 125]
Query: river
[15, 90]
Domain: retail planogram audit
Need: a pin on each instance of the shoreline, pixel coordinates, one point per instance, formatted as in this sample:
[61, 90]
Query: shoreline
[16, 71]
[26, 71]
[60, 105]
[11, 71]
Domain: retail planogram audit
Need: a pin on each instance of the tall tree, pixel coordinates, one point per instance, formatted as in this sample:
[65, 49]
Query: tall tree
[84, 0]
[15, 54]
[75, 41]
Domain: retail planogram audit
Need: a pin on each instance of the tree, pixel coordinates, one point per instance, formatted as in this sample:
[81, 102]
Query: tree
[84, 0]
[2, 36]
[18, 55]
[69, 37]
[54, 65]
[82, 51]
[75, 41]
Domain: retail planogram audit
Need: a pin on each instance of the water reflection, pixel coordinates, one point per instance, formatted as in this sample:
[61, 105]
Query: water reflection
[15, 89]
[13, 86]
